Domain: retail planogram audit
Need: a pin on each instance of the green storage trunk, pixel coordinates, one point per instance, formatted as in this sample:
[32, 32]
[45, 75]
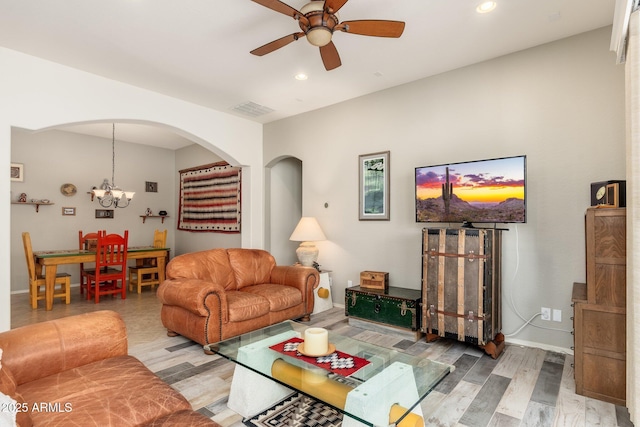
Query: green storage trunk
[396, 307]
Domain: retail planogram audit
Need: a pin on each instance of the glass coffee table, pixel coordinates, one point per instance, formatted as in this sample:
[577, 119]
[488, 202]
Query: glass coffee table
[371, 385]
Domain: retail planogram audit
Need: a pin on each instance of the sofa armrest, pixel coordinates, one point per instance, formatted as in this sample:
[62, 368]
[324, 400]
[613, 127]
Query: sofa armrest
[43, 349]
[191, 294]
[306, 279]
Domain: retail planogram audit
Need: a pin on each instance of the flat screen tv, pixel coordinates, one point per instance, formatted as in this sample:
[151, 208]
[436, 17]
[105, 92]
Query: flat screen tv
[481, 191]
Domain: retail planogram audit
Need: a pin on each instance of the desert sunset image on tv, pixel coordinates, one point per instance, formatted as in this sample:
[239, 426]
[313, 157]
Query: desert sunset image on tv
[484, 191]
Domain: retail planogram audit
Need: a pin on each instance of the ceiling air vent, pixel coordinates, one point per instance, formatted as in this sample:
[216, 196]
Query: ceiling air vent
[252, 109]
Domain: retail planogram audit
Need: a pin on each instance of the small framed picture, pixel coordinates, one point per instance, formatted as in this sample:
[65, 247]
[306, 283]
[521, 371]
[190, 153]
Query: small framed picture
[17, 172]
[104, 213]
[374, 186]
[151, 187]
[68, 211]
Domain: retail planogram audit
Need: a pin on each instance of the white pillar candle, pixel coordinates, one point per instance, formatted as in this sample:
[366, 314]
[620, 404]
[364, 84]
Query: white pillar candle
[316, 341]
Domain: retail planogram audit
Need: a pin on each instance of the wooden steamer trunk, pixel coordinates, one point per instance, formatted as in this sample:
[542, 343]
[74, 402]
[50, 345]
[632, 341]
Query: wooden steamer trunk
[461, 286]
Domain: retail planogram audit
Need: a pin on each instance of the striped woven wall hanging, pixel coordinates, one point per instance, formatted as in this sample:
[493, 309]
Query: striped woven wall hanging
[210, 198]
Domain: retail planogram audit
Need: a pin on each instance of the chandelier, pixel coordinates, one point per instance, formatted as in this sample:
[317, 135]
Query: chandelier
[109, 194]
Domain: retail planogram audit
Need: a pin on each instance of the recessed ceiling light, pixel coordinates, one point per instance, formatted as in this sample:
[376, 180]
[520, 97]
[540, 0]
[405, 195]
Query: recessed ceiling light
[486, 6]
[301, 76]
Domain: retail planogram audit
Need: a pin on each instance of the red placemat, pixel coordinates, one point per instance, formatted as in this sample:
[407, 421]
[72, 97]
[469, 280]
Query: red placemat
[337, 362]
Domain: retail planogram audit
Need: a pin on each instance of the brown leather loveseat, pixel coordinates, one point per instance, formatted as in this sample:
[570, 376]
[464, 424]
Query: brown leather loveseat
[216, 294]
[76, 371]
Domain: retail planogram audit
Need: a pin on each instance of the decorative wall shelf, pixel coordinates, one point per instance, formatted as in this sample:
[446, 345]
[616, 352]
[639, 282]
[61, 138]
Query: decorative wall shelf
[36, 204]
[144, 217]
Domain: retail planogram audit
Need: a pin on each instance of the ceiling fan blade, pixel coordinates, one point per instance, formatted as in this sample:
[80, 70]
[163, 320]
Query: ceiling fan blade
[278, 6]
[372, 27]
[276, 44]
[334, 5]
[330, 57]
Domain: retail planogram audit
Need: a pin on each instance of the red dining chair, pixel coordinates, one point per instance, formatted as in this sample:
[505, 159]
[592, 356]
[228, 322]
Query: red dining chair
[86, 242]
[110, 274]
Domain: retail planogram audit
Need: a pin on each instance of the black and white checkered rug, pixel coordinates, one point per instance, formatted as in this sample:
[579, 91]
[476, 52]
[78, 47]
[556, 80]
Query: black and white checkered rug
[297, 410]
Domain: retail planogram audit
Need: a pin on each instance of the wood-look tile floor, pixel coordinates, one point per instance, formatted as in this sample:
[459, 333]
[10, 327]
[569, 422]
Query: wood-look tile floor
[523, 387]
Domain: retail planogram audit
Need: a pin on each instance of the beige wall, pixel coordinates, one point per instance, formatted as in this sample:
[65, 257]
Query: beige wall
[561, 104]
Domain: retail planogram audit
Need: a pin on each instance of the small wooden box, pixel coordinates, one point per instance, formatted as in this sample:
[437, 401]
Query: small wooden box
[378, 280]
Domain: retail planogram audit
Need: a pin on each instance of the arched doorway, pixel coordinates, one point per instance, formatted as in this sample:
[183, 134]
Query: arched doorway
[283, 200]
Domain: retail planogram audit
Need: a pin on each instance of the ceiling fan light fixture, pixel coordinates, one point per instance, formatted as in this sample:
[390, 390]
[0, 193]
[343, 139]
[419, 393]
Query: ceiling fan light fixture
[318, 19]
[319, 36]
[316, 6]
[312, 6]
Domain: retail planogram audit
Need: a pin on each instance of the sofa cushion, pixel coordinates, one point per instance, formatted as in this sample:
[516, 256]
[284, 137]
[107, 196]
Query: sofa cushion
[211, 265]
[7, 382]
[251, 266]
[9, 394]
[116, 391]
[246, 306]
[280, 297]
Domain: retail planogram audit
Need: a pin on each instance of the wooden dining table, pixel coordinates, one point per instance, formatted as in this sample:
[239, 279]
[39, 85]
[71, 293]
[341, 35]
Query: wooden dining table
[50, 260]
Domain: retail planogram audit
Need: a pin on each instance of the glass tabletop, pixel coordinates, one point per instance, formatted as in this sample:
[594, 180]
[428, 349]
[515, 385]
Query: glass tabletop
[387, 376]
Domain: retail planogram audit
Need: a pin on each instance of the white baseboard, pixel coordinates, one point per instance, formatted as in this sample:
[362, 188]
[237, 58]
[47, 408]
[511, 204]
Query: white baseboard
[542, 346]
[26, 291]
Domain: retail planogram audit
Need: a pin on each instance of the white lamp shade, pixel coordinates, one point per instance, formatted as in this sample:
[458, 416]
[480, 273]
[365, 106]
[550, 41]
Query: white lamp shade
[117, 193]
[99, 193]
[307, 230]
[129, 194]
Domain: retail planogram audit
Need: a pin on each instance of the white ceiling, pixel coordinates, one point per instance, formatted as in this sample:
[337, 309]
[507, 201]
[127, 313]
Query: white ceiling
[198, 50]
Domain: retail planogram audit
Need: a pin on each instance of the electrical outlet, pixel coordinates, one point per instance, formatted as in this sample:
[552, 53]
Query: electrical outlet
[349, 283]
[546, 313]
[557, 315]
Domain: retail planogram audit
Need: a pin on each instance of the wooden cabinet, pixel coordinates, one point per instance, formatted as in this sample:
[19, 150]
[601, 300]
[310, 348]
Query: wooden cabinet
[461, 286]
[600, 309]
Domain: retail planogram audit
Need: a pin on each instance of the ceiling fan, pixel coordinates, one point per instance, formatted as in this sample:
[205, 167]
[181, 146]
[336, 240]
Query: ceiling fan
[318, 20]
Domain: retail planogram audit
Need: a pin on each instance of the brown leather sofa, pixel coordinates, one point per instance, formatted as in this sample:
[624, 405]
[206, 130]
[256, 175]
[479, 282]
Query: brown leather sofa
[217, 294]
[75, 371]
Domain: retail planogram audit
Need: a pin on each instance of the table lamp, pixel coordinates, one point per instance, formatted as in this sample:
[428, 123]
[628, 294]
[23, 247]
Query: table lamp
[307, 231]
